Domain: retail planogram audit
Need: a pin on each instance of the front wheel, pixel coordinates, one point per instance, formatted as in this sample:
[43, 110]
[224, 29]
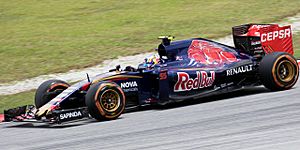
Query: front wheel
[279, 71]
[48, 90]
[105, 101]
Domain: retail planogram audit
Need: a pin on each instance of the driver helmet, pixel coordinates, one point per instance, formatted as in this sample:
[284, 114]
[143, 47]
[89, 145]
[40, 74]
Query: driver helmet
[151, 61]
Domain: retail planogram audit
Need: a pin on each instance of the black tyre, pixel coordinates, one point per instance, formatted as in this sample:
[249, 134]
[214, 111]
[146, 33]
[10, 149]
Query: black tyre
[48, 90]
[105, 101]
[279, 71]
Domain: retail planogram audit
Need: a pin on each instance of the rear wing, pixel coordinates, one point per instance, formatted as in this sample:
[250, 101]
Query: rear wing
[261, 39]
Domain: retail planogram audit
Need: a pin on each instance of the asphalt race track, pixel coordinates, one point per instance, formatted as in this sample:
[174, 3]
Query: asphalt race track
[247, 119]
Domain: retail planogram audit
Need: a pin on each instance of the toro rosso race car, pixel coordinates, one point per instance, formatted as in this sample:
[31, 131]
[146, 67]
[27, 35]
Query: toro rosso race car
[182, 70]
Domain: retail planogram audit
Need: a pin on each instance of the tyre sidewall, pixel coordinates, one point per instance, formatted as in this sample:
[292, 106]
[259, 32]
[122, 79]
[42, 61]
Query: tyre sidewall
[268, 71]
[291, 83]
[93, 101]
[41, 96]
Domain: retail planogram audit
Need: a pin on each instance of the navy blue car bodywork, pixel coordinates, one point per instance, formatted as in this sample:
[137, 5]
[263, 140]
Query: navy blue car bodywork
[158, 83]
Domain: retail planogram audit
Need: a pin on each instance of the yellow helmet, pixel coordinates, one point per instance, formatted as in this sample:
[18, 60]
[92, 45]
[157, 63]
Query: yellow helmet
[151, 61]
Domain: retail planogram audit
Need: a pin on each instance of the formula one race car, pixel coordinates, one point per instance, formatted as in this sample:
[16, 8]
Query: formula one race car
[182, 70]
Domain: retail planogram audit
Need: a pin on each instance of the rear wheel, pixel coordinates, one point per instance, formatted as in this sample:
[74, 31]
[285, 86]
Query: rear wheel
[105, 101]
[279, 71]
[48, 90]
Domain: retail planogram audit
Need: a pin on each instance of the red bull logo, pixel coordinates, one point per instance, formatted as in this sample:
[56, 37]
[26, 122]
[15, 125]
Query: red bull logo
[208, 53]
[185, 83]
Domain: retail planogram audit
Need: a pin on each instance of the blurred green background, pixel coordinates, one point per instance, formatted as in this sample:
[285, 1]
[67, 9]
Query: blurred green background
[49, 36]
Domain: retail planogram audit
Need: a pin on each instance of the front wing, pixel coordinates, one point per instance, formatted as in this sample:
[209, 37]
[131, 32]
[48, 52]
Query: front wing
[27, 114]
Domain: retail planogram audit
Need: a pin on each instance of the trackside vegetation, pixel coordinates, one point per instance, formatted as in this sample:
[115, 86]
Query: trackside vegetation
[42, 37]
[296, 44]
[16, 100]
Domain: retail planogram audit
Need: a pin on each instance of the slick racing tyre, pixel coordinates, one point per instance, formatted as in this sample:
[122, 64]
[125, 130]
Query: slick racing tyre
[278, 71]
[48, 90]
[105, 101]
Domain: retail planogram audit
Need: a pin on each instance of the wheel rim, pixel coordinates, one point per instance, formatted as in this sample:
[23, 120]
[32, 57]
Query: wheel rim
[110, 100]
[285, 71]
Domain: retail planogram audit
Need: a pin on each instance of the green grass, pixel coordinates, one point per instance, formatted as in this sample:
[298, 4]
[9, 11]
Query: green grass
[16, 100]
[296, 44]
[42, 37]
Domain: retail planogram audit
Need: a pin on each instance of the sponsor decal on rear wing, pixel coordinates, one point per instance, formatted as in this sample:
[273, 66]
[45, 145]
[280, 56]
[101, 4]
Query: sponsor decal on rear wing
[263, 38]
[276, 39]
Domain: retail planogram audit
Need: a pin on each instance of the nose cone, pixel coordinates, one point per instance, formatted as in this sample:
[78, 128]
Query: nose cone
[43, 110]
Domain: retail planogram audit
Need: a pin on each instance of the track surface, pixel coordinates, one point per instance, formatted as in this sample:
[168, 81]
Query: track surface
[247, 119]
